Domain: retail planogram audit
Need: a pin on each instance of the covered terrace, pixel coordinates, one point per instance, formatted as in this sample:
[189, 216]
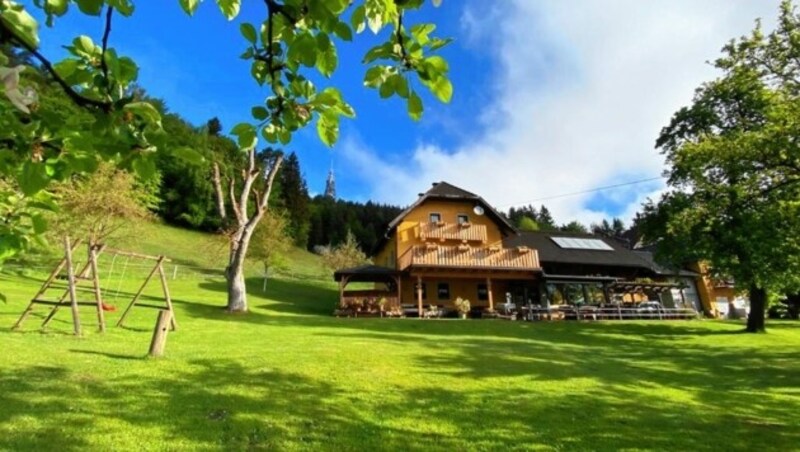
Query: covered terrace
[369, 302]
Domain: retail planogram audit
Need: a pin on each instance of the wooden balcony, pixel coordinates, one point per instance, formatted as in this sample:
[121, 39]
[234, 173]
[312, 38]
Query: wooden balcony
[467, 257]
[452, 231]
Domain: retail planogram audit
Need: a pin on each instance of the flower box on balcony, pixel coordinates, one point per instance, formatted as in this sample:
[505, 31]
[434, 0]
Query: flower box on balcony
[463, 247]
[523, 249]
[465, 224]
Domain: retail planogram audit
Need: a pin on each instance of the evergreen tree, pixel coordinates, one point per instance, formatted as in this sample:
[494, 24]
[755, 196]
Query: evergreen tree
[545, 220]
[294, 194]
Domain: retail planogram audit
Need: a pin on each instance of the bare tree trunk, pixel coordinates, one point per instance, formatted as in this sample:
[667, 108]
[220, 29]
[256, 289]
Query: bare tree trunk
[758, 306]
[218, 192]
[793, 302]
[245, 224]
[266, 275]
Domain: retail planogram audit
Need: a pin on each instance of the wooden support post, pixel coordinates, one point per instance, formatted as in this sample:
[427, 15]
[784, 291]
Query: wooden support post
[399, 292]
[341, 290]
[62, 299]
[165, 289]
[98, 298]
[136, 297]
[489, 292]
[419, 296]
[76, 321]
[160, 333]
[50, 278]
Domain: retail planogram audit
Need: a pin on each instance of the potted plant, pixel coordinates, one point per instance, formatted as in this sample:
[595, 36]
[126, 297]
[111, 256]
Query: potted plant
[462, 306]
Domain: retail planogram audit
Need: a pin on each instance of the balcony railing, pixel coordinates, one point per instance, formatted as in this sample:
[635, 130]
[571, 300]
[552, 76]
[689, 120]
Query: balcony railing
[463, 256]
[452, 231]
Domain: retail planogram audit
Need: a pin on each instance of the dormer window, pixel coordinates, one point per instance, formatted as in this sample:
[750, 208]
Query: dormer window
[463, 218]
[435, 218]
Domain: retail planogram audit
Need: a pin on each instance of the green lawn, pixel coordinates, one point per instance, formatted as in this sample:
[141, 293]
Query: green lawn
[290, 376]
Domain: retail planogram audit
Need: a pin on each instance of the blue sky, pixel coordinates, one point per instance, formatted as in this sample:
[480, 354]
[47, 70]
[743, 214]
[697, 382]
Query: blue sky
[550, 97]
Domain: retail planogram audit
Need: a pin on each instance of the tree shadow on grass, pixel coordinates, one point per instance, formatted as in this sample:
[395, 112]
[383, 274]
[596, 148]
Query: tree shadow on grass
[224, 404]
[285, 296]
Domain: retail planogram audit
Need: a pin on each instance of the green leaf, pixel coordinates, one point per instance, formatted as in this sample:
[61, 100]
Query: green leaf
[246, 135]
[374, 76]
[303, 49]
[420, 32]
[145, 111]
[358, 17]
[260, 113]
[328, 128]
[144, 166]
[442, 89]
[343, 31]
[188, 155]
[39, 224]
[128, 71]
[414, 106]
[33, 178]
[56, 7]
[438, 63]
[400, 85]
[66, 68]
[125, 7]
[387, 87]
[249, 32]
[327, 59]
[90, 7]
[23, 24]
[437, 3]
[230, 8]
[190, 6]
[84, 46]
[10, 245]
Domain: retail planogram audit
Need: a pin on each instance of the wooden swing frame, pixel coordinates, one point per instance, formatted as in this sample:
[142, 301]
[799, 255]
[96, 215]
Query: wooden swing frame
[89, 272]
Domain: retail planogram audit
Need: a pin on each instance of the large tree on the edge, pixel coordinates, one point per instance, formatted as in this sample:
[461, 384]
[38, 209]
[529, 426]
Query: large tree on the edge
[734, 158]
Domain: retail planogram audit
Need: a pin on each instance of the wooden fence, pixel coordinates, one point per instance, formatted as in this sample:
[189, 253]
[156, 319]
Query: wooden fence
[452, 231]
[469, 257]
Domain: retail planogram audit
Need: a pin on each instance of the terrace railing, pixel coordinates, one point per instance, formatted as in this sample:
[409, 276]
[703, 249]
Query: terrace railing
[465, 256]
[452, 231]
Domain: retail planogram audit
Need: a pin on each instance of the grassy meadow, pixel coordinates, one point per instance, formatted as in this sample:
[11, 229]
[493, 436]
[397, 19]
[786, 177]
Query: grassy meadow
[289, 376]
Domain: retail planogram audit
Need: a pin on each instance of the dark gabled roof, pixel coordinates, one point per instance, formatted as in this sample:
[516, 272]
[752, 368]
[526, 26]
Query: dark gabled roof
[550, 252]
[443, 191]
[365, 273]
[649, 258]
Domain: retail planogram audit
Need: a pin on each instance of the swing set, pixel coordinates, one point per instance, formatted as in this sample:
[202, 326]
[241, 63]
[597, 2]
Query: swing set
[64, 280]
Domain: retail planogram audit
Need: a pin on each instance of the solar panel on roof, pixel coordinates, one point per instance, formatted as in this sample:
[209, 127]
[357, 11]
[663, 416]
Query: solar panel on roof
[576, 243]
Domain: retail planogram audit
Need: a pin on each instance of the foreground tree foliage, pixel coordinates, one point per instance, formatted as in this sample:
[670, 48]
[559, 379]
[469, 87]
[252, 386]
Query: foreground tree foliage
[295, 36]
[734, 158]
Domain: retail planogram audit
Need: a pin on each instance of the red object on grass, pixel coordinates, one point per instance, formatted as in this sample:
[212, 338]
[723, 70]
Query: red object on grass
[108, 307]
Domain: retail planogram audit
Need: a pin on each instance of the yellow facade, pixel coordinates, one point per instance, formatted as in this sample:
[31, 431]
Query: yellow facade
[465, 288]
[408, 232]
[709, 291]
[387, 256]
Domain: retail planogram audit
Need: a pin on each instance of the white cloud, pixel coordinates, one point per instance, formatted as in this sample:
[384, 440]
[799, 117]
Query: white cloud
[582, 91]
